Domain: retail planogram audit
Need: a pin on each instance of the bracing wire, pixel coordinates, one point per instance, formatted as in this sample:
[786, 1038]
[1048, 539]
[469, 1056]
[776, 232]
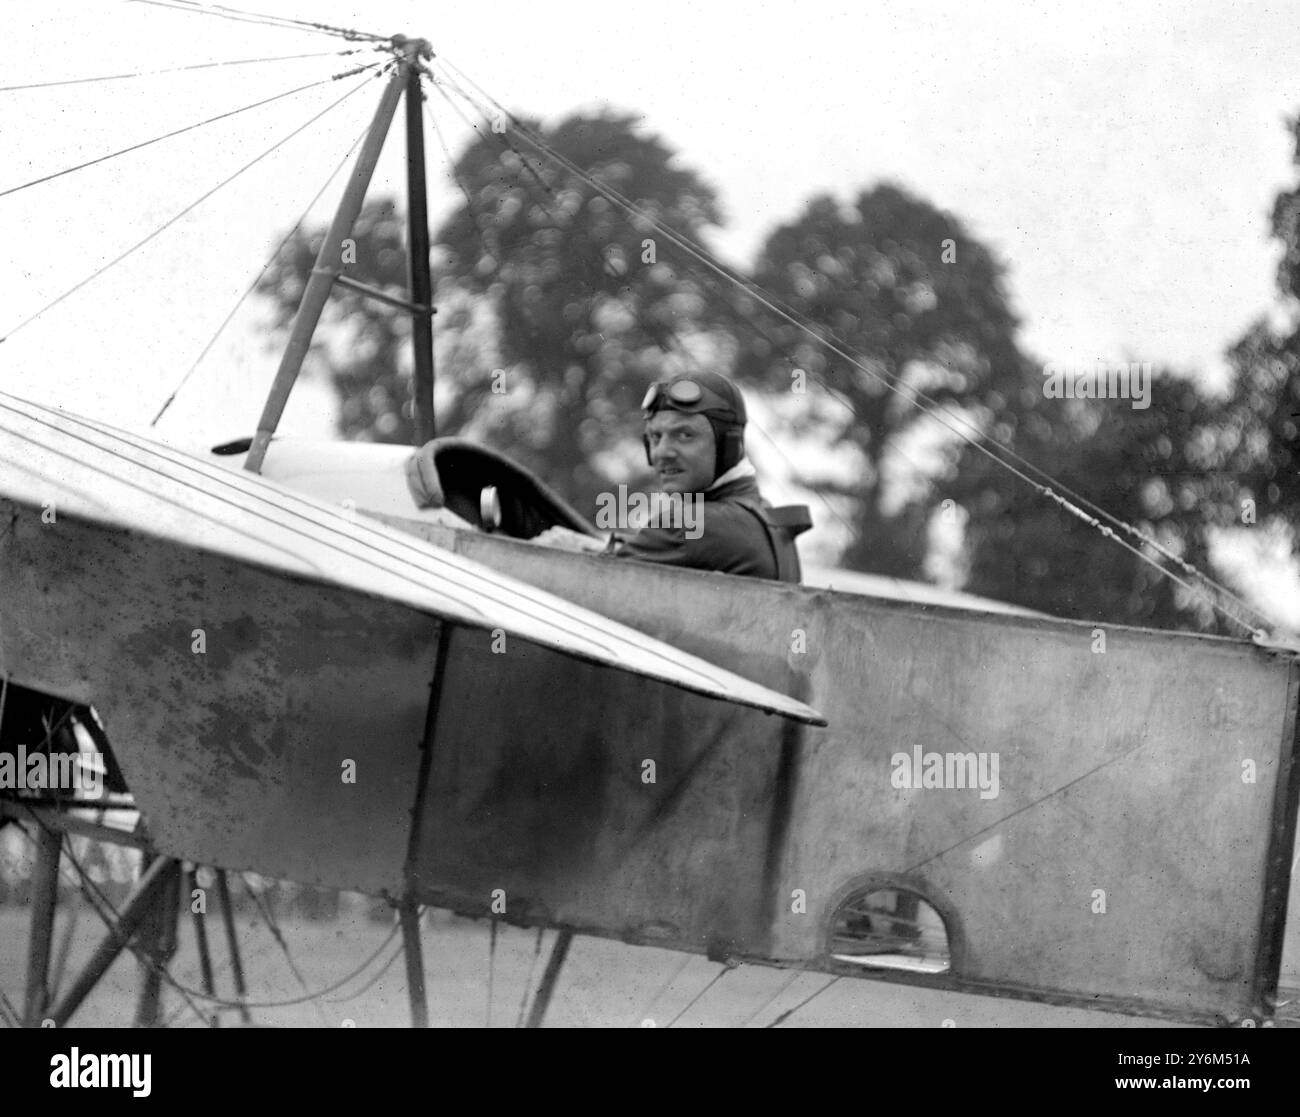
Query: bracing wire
[492, 965]
[180, 69]
[109, 914]
[261, 952]
[807, 1000]
[239, 15]
[776, 448]
[938, 412]
[501, 136]
[642, 1015]
[692, 1002]
[289, 1002]
[528, 981]
[780, 992]
[247, 958]
[397, 953]
[304, 23]
[672, 336]
[172, 221]
[451, 163]
[257, 279]
[913, 395]
[182, 131]
[264, 906]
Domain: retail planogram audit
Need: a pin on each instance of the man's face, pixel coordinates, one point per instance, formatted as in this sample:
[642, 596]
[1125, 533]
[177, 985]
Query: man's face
[681, 451]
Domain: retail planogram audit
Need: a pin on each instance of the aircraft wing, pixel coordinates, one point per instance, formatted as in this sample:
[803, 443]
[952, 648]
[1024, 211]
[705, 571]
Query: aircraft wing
[88, 470]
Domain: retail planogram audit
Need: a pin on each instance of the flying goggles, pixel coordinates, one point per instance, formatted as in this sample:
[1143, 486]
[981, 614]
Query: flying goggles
[685, 394]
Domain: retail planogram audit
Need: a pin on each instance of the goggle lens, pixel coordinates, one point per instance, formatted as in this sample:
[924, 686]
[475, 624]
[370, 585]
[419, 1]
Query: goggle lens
[679, 391]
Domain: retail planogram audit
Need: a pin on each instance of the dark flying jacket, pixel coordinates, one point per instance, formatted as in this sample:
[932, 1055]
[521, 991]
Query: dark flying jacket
[742, 534]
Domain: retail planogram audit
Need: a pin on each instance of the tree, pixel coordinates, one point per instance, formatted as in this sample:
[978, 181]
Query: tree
[905, 285]
[555, 308]
[586, 310]
[1186, 471]
[1262, 416]
[1152, 468]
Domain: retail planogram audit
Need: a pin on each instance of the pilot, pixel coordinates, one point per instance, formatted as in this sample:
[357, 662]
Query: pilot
[694, 441]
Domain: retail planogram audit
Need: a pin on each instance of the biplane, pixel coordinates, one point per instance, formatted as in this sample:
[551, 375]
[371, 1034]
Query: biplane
[297, 660]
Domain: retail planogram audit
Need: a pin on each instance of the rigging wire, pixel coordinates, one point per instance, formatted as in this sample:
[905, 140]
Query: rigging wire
[289, 1002]
[801, 321]
[501, 136]
[794, 976]
[247, 958]
[726, 969]
[937, 412]
[239, 15]
[172, 221]
[670, 334]
[794, 472]
[108, 913]
[451, 163]
[492, 965]
[264, 948]
[264, 906]
[187, 128]
[934, 409]
[258, 278]
[807, 1000]
[528, 981]
[225, 1002]
[397, 953]
[180, 69]
[686, 961]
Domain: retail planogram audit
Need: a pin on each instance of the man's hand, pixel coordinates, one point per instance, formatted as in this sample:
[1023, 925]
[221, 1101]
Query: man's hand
[566, 540]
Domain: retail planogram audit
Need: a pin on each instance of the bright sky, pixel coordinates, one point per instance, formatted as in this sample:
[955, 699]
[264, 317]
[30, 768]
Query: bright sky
[1121, 158]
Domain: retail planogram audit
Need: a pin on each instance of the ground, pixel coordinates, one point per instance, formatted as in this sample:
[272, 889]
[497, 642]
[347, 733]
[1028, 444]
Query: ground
[603, 984]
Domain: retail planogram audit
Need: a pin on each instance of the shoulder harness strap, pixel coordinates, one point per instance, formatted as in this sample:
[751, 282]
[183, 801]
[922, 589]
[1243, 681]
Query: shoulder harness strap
[790, 520]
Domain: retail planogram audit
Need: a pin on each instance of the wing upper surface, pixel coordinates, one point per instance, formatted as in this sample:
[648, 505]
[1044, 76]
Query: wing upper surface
[92, 471]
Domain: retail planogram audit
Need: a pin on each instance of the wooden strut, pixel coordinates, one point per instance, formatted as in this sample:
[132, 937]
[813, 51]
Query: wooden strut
[328, 268]
[155, 882]
[550, 976]
[409, 907]
[157, 937]
[45, 892]
[232, 943]
[328, 265]
[417, 246]
[54, 819]
[383, 297]
[150, 917]
[201, 942]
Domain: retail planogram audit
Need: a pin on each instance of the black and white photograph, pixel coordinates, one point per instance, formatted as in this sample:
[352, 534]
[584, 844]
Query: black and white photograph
[696, 516]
